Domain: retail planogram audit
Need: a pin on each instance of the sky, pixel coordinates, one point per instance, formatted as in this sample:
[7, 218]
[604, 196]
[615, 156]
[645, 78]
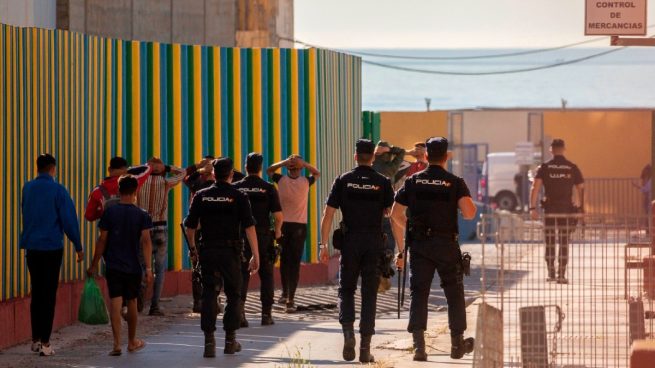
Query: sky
[442, 23]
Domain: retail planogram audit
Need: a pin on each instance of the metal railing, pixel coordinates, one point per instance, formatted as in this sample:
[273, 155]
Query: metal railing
[580, 305]
[612, 196]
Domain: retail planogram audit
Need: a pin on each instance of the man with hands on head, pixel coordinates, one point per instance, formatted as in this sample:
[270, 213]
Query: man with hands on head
[223, 213]
[294, 191]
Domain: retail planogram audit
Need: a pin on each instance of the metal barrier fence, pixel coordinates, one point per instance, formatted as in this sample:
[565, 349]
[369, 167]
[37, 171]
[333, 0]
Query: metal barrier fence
[613, 196]
[577, 305]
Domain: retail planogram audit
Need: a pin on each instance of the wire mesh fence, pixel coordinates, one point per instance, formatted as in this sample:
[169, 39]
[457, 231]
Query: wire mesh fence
[565, 290]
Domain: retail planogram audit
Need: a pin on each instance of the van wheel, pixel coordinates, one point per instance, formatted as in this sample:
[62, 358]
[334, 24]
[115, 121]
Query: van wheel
[506, 201]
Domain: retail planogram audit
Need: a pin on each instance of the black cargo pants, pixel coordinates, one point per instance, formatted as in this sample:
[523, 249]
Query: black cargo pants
[442, 254]
[558, 230]
[264, 240]
[214, 263]
[359, 257]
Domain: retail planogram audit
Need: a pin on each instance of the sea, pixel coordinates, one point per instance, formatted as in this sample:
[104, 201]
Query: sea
[624, 78]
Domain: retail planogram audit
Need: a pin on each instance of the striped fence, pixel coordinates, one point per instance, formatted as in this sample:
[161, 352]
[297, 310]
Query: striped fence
[86, 99]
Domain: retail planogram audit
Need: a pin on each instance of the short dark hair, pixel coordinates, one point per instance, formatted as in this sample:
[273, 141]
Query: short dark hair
[127, 184]
[118, 163]
[254, 163]
[437, 158]
[45, 162]
[364, 158]
[223, 168]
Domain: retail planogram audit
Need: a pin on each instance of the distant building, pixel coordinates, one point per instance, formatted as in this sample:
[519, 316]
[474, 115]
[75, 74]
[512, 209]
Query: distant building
[229, 23]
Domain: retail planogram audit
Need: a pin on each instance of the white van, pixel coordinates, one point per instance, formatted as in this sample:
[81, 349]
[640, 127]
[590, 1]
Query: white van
[498, 181]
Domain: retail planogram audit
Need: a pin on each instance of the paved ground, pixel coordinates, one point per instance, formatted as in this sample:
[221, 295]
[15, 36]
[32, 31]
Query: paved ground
[307, 339]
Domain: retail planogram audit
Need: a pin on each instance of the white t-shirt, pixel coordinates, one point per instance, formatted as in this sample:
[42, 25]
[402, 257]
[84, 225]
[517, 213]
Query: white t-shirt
[293, 196]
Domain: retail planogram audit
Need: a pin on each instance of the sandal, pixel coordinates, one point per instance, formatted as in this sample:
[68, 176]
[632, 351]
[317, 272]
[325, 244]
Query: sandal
[115, 352]
[140, 345]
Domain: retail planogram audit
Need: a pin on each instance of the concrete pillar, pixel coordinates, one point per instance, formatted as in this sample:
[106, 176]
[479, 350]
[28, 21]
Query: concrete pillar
[29, 13]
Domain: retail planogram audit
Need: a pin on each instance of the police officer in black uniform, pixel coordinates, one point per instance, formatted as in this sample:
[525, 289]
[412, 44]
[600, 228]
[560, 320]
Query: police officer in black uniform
[558, 176]
[223, 214]
[265, 202]
[431, 199]
[364, 197]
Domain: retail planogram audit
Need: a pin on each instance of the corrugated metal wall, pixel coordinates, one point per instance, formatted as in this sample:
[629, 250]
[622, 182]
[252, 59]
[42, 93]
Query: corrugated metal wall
[86, 98]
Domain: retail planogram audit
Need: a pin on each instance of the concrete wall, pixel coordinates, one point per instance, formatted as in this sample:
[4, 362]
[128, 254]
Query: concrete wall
[229, 23]
[29, 13]
[404, 128]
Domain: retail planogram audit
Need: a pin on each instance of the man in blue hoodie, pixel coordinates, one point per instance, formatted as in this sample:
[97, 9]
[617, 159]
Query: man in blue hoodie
[48, 212]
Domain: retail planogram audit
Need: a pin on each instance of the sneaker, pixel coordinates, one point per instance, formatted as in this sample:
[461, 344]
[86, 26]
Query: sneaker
[46, 350]
[562, 280]
[291, 307]
[156, 312]
[36, 346]
[267, 320]
[282, 300]
[124, 313]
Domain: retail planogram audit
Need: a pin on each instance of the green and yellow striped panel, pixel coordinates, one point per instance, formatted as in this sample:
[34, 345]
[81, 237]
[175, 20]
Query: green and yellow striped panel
[86, 98]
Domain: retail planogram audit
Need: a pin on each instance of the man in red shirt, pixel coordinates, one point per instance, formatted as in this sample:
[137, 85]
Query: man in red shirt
[107, 192]
[421, 163]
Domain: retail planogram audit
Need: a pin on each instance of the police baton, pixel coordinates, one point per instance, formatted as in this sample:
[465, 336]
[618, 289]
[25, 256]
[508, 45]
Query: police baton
[402, 295]
[398, 271]
[194, 265]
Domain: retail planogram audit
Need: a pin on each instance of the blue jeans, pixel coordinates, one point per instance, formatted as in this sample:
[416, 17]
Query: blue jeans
[159, 239]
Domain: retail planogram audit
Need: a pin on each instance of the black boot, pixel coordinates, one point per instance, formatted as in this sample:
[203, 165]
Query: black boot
[267, 315]
[419, 346]
[210, 345]
[561, 276]
[551, 271]
[244, 321]
[231, 344]
[365, 350]
[461, 346]
[348, 344]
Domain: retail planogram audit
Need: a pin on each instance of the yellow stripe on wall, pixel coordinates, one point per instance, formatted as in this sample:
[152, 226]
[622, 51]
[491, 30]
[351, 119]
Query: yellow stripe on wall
[177, 149]
[257, 99]
[217, 99]
[277, 124]
[197, 104]
[136, 101]
[109, 89]
[119, 98]
[312, 149]
[236, 94]
[156, 100]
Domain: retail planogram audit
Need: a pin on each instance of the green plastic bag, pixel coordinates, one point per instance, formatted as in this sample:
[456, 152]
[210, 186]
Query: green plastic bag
[92, 305]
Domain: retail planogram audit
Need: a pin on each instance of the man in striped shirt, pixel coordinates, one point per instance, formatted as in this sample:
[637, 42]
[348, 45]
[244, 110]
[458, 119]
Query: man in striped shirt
[153, 197]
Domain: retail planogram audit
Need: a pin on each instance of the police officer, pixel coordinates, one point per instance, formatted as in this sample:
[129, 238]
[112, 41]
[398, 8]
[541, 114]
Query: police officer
[223, 213]
[432, 198]
[364, 197]
[558, 176]
[265, 202]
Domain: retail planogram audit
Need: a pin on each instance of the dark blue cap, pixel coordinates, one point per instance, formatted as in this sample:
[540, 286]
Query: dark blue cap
[223, 166]
[436, 146]
[364, 146]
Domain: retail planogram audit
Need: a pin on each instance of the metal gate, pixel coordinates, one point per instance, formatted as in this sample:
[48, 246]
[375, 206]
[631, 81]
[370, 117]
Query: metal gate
[586, 318]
